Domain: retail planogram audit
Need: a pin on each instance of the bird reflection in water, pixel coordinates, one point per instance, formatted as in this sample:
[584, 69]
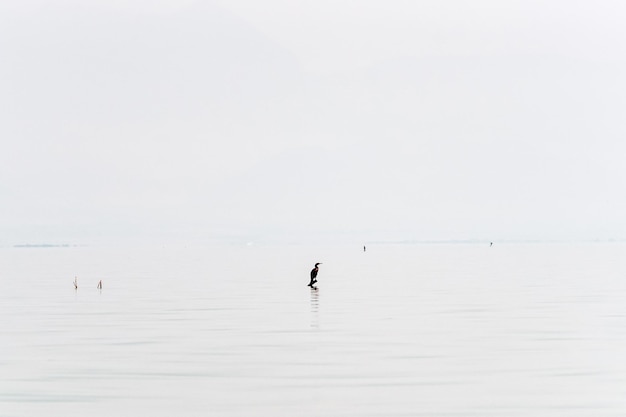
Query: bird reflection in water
[315, 308]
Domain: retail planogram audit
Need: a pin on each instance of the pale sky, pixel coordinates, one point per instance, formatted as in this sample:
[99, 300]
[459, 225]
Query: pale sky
[323, 120]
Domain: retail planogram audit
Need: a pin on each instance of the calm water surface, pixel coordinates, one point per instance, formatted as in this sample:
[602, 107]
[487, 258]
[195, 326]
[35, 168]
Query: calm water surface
[407, 330]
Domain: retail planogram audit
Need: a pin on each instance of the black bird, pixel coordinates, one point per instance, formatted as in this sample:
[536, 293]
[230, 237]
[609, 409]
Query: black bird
[314, 274]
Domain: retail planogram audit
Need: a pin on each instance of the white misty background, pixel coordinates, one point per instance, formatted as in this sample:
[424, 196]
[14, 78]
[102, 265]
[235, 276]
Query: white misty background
[294, 122]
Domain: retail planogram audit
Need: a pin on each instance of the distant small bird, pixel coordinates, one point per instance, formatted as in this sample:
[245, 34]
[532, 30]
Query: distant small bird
[363, 248]
[75, 283]
[314, 274]
[100, 285]
[490, 244]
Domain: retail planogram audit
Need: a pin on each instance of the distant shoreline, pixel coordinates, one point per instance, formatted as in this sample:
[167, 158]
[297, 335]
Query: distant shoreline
[42, 245]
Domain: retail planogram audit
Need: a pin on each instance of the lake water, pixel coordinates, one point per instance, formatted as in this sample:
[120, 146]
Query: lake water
[399, 330]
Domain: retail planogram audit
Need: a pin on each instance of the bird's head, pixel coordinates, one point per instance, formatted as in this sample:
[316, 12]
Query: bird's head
[319, 263]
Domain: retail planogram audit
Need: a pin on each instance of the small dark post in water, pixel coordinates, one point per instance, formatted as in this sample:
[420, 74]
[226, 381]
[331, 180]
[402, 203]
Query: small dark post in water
[75, 283]
[100, 285]
[490, 244]
[363, 248]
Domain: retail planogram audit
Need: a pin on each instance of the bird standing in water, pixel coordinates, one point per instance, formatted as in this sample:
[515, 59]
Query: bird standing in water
[314, 274]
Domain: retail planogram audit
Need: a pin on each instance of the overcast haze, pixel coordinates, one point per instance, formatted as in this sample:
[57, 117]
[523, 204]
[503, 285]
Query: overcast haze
[311, 121]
